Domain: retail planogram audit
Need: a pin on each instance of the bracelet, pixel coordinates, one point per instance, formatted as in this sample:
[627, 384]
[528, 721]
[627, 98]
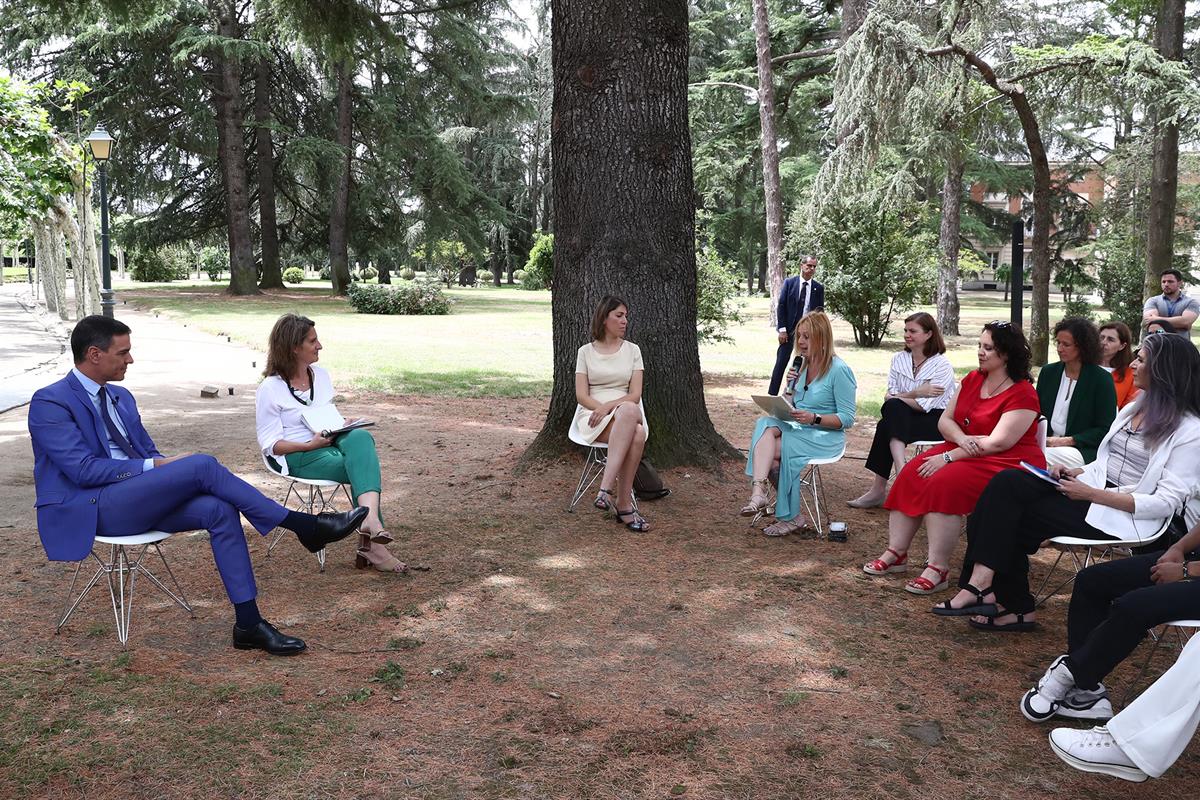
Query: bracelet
[1186, 577]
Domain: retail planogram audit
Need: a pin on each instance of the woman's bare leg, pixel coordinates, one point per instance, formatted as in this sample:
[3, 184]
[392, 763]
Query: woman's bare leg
[896, 446]
[633, 457]
[766, 453]
[373, 523]
[943, 531]
[619, 436]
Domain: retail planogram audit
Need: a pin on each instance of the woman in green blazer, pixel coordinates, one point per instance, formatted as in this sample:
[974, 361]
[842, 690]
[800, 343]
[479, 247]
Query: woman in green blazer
[1077, 395]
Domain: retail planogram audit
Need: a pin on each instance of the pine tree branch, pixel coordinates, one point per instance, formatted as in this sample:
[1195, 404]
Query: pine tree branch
[451, 5]
[821, 53]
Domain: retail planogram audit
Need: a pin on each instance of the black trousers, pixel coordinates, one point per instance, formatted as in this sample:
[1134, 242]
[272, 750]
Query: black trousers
[783, 358]
[1014, 515]
[1113, 606]
[899, 420]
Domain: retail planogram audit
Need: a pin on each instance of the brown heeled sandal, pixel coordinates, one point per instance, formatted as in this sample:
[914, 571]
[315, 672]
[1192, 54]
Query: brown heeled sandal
[362, 559]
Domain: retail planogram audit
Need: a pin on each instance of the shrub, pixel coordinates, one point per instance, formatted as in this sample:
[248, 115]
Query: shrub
[326, 273]
[158, 266]
[293, 275]
[716, 287]
[1079, 307]
[368, 273]
[409, 298]
[1121, 276]
[881, 265]
[214, 261]
[408, 273]
[519, 275]
[539, 270]
[485, 276]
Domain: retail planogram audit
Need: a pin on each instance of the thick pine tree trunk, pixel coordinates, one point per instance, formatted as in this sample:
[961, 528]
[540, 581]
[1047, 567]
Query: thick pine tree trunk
[1164, 179]
[264, 147]
[231, 152]
[624, 213]
[339, 211]
[770, 152]
[950, 238]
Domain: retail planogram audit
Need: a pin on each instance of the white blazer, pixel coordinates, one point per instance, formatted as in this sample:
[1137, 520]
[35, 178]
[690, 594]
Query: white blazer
[1171, 477]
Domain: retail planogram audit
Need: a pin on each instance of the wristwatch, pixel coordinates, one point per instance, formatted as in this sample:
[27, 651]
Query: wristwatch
[816, 420]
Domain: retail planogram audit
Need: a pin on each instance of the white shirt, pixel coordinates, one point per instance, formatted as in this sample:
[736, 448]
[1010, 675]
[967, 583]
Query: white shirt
[936, 369]
[277, 412]
[1062, 404]
[114, 449]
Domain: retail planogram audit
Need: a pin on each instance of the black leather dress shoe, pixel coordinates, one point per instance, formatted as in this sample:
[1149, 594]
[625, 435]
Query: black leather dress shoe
[265, 636]
[332, 527]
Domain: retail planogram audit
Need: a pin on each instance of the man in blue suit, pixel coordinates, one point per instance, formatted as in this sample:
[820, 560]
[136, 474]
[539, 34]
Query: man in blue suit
[97, 471]
[800, 294]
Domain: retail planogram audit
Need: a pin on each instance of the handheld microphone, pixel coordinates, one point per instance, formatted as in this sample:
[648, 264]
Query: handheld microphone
[797, 363]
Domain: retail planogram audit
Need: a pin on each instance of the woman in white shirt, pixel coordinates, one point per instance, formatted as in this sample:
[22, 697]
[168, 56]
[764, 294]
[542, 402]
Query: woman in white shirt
[920, 385]
[293, 384]
[608, 387]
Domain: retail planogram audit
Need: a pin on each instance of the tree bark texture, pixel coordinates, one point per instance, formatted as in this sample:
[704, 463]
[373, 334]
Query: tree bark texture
[624, 213]
[339, 211]
[949, 236]
[770, 152]
[264, 148]
[231, 151]
[1164, 178]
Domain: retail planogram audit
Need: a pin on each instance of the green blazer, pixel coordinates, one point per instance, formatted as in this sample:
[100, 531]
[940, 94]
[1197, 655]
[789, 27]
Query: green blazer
[1092, 409]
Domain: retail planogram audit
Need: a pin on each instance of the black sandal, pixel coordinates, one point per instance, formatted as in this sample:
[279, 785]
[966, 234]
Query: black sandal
[638, 524]
[1021, 625]
[601, 503]
[983, 609]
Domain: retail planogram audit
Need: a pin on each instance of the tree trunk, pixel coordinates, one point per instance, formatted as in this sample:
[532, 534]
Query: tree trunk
[770, 152]
[339, 211]
[264, 146]
[1164, 180]
[624, 213]
[231, 151]
[950, 239]
[83, 201]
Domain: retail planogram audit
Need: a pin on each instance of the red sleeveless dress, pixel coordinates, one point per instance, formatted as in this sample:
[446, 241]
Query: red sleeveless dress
[954, 488]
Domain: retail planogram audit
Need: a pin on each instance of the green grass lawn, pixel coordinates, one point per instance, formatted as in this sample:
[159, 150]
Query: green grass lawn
[497, 342]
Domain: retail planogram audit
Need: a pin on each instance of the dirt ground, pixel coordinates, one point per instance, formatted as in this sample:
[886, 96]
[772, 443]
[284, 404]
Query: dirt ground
[542, 655]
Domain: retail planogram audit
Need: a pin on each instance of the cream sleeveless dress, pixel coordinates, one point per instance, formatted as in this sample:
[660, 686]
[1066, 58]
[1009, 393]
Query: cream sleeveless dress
[608, 378]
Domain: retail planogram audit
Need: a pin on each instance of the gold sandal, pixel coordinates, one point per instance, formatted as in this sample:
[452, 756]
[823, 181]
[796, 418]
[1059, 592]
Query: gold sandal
[752, 508]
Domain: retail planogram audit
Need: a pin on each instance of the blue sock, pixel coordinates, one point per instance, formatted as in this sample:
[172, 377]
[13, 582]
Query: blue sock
[247, 614]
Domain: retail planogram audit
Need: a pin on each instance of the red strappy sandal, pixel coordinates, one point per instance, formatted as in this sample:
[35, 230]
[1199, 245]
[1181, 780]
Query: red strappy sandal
[881, 567]
[922, 585]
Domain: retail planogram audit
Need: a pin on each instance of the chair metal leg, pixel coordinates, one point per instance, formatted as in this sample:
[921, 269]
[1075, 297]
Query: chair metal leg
[70, 607]
[177, 595]
[120, 591]
[814, 510]
[593, 467]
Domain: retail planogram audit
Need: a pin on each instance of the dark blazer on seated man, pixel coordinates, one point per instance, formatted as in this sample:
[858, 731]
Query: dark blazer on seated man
[799, 295]
[97, 471]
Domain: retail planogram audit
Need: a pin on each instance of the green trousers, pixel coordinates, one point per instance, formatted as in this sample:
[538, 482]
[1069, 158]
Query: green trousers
[351, 459]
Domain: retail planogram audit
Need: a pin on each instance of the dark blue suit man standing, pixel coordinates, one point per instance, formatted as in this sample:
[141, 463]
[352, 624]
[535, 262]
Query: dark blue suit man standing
[97, 471]
[800, 294]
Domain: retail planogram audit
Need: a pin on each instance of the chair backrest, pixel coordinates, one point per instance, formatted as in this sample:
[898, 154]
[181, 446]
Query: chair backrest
[1043, 428]
[274, 465]
[1078, 541]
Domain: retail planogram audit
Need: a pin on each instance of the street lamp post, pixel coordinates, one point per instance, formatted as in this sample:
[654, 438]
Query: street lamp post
[100, 144]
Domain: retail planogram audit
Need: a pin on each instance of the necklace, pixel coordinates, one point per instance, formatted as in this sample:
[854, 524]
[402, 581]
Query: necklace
[311, 389]
[1070, 386]
[990, 393]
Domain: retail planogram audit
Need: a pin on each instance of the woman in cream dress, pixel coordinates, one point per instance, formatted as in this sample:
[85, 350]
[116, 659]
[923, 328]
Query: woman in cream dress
[608, 387]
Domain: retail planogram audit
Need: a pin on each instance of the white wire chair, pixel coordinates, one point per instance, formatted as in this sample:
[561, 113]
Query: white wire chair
[319, 496]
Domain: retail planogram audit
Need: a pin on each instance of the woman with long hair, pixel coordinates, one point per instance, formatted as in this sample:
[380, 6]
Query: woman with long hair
[608, 388]
[1146, 468]
[1116, 354]
[920, 385]
[989, 425]
[293, 383]
[1076, 394]
[822, 395]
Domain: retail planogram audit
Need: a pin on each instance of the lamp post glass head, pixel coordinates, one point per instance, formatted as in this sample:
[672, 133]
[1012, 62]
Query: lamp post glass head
[100, 143]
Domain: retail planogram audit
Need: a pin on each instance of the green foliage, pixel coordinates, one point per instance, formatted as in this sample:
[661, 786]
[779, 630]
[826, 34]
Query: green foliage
[368, 273]
[539, 270]
[1121, 276]
[293, 275]
[214, 261]
[159, 265]
[885, 266]
[35, 164]
[519, 275]
[485, 276]
[446, 258]
[970, 264]
[716, 290]
[1079, 306]
[408, 298]
[408, 273]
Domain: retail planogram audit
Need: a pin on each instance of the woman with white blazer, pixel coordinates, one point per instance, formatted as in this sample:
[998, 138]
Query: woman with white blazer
[1145, 470]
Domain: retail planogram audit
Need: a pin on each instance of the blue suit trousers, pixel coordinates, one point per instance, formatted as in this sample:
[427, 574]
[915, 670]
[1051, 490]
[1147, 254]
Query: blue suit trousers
[193, 493]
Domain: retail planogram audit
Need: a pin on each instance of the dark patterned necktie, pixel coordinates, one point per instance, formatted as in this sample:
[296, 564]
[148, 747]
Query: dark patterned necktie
[114, 432]
[803, 296]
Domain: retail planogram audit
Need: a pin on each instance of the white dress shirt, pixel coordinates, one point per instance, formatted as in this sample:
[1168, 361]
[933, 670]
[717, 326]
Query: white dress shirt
[803, 290]
[277, 412]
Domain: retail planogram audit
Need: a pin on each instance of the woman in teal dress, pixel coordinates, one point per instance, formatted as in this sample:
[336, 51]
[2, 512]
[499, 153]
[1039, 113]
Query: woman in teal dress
[822, 395]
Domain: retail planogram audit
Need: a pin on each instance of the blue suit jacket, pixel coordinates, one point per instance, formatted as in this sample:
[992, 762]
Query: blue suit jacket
[788, 310]
[71, 462]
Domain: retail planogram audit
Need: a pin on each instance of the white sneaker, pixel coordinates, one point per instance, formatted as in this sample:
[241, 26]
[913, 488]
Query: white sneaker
[1042, 701]
[1094, 751]
[1085, 704]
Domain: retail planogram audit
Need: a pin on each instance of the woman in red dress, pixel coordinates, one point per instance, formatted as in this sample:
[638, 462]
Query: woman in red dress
[990, 425]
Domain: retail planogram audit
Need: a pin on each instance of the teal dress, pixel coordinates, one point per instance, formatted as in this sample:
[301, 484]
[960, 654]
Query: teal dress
[832, 393]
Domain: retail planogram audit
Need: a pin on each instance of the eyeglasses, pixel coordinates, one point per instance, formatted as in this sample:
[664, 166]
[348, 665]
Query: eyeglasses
[999, 323]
